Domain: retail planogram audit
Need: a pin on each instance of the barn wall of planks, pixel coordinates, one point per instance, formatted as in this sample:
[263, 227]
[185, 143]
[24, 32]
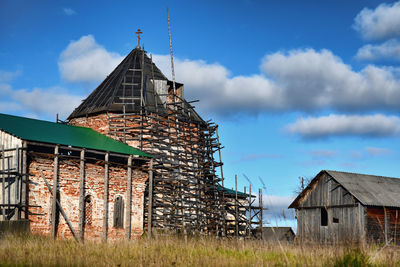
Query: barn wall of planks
[330, 214]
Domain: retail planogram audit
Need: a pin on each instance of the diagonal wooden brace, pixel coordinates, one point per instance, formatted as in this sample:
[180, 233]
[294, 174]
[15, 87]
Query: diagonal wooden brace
[61, 209]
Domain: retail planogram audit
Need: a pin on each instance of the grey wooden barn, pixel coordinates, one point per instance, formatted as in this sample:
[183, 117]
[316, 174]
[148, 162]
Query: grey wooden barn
[349, 207]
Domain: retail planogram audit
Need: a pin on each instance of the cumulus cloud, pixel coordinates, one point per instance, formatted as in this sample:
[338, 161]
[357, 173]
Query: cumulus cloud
[69, 11]
[302, 80]
[49, 101]
[383, 22]
[37, 101]
[85, 60]
[389, 50]
[346, 125]
[277, 207]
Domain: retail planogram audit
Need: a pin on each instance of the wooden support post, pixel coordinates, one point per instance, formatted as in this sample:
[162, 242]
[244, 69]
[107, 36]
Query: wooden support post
[105, 213]
[249, 221]
[236, 209]
[260, 203]
[82, 196]
[386, 226]
[17, 183]
[24, 182]
[129, 202]
[61, 209]
[222, 178]
[54, 209]
[3, 186]
[150, 202]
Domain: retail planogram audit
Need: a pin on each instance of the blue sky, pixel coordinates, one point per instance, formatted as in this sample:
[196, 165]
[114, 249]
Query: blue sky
[296, 86]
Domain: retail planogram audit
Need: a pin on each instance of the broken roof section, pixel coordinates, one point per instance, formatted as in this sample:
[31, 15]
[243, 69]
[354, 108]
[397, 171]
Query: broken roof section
[370, 190]
[63, 134]
[123, 89]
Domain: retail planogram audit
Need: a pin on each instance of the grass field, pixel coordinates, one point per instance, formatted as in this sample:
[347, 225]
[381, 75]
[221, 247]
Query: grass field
[174, 251]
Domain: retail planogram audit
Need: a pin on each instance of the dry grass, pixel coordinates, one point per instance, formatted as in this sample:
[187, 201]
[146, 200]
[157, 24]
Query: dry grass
[173, 251]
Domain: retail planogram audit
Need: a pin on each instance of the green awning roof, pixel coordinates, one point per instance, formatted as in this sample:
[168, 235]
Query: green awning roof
[63, 134]
[232, 192]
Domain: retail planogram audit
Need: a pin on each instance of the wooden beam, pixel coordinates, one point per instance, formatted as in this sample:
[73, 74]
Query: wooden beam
[386, 226]
[236, 209]
[54, 209]
[17, 184]
[82, 196]
[260, 200]
[328, 207]
[105, 214]
[249, 220]
[150, 202]
[3, 186]
[129, 202]
[61, 209]
[24, 180]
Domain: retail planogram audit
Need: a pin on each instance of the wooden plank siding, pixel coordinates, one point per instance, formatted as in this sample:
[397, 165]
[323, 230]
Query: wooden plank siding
[345, 216]
[11, 184]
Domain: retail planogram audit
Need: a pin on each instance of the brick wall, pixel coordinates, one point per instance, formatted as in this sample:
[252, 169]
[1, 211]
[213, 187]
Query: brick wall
[99, 123]
[69, 173]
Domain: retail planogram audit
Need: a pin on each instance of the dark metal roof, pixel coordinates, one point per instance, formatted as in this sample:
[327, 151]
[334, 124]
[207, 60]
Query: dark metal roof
[231, 192]
[370, 190]
[63, 134]
[123, 88]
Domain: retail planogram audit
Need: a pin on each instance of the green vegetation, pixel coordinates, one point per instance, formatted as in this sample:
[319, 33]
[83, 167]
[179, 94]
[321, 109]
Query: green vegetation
[174, 251]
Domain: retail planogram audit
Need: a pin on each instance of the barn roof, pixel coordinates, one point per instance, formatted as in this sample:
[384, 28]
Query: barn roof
[278, 231]
[63, 134]
[123, 88]
[370, 190]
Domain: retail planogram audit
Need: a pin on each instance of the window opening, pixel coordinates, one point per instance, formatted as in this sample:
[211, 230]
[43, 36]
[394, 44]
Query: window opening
[324, 217]
[88, 210]
[119, 212]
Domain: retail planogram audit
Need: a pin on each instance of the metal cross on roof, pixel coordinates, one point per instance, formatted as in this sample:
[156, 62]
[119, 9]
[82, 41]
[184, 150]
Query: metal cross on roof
[139, 32]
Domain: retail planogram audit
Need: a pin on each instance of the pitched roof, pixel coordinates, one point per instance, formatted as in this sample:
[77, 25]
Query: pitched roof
[231, 192]
[370, 190]
[278, 231]
[63, 134]
[123, 88]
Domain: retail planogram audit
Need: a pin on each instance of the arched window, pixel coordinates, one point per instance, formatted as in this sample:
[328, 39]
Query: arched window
[324, 217]
[119, 212]
[88, 210]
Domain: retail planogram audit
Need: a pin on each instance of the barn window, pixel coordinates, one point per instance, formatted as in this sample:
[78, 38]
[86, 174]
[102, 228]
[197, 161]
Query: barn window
[119, 212]
[88, 210]
[324, 217]
[335, 220]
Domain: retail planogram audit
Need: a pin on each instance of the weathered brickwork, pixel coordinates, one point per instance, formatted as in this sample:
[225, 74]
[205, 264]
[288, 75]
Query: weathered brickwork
[99, 123]
[69, 177]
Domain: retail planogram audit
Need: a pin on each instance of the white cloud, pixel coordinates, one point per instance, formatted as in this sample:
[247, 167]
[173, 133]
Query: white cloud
[323, 153]
[36, 102]
[346, 125]
[378, 151]
[301, 80]
[389, 50]
[69, 11]
[382, 22]
[7, 76]
[49, 101]
[277, 207]
[85, 60]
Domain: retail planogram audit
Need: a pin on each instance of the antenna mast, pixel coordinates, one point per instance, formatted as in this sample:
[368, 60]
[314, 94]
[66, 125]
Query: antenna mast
[172, 56]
